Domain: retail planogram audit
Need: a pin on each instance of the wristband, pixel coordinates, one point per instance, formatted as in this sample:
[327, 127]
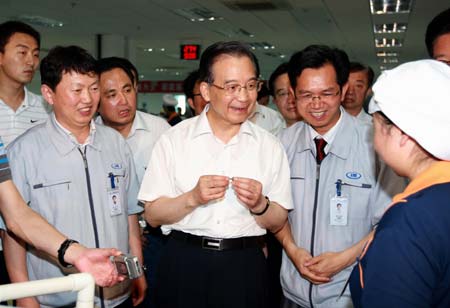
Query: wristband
[263, 211]
[62, 251]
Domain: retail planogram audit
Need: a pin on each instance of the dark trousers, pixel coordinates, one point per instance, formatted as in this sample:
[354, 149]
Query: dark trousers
[189, 276]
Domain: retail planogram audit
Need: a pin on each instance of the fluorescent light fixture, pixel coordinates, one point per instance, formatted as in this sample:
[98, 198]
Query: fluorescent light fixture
[198, 14]
[390, 28]
[388, 60]
[36, 20]
[387, 54]
[378, 7]
[261, 45]
[388, 42]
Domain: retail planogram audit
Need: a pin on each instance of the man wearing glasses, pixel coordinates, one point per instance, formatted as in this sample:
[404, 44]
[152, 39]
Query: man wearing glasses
[340, 189]
[217, 208]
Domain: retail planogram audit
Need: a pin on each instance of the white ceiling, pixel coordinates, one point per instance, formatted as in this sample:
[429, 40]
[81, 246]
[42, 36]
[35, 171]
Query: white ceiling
[289, 26]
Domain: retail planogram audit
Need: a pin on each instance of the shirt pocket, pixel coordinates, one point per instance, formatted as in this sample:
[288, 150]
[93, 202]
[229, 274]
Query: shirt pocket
[50, 197]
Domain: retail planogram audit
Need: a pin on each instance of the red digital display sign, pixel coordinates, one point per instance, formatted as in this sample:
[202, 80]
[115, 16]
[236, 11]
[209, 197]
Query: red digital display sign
[189, 52]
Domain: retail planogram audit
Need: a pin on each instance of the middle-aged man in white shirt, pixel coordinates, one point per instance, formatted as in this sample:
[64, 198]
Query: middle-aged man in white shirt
[118, 99]
[217, 206]
[81, 169]
[359, 83]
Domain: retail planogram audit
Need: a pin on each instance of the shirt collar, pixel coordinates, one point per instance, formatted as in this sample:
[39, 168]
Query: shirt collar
[65, 141]
[437, 173]
[202, 126]
[338, 138]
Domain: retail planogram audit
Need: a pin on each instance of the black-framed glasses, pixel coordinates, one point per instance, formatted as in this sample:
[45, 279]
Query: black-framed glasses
[325, 96]
[230, 89]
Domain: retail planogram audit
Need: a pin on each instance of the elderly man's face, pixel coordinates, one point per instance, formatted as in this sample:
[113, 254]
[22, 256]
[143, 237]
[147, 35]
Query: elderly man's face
[75, 99]
[318, 97]
[441, 48]
[231, 72]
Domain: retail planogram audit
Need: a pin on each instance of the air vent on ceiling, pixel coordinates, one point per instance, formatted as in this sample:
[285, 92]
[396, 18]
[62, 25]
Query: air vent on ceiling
[256, 5]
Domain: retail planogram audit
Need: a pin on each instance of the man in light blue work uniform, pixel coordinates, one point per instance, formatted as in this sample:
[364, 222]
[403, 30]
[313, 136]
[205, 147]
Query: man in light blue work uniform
[340, 189]
[68, 170]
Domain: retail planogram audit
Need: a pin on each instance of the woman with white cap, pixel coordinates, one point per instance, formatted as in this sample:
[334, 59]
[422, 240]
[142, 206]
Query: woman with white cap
[407, 262]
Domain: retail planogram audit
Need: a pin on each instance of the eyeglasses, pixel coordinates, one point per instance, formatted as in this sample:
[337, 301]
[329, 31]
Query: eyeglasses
[196, 94]
[235, 88]
[325, 96]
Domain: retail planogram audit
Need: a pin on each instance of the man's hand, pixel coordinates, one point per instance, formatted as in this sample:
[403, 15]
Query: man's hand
[208, 188]
[138, 290]
[327, 264]
[300, 257]
[95, 262]
[249, 192]
[28, 302]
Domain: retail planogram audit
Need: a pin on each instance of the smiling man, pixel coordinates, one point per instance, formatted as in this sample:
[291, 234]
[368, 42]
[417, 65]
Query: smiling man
[20, 109]
[67, 169]
[217, 207]
[340, 189]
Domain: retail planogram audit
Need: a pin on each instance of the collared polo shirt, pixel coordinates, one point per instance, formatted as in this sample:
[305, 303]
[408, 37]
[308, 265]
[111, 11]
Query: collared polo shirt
[364, 117]
[5, 172]
[190, 150]
[267, 118]
[32, 111]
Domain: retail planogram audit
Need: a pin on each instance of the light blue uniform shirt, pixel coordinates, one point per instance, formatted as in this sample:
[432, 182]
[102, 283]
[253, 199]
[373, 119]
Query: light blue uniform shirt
[49, 171]
[351, 158]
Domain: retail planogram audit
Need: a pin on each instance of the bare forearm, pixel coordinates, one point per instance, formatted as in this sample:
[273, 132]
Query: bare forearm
[284, 236]
[273, 219]
[26, 223]
[15, 258]
[354, 251]
[135, 237]
[165, 211]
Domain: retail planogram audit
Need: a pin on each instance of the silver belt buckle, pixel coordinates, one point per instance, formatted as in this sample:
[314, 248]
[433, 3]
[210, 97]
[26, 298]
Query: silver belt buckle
[212, 243]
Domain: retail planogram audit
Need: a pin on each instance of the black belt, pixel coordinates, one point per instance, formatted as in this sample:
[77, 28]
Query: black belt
[212, 243]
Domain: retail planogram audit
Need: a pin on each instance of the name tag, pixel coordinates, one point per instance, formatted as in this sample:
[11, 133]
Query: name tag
[338, 211]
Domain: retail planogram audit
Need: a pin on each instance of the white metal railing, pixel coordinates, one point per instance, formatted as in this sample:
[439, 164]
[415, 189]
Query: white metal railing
[83, 283]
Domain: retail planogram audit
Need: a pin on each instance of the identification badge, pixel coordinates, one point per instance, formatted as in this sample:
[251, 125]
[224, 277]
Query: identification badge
[115, 208]
[338, 211]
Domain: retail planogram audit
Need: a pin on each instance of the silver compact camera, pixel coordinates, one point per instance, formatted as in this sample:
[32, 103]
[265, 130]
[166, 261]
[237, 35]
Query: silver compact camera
[128, 265]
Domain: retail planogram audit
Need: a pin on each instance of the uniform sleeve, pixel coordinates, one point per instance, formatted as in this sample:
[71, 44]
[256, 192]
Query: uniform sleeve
[133, 184]
[5, 172]
[158, 179]
[280, 187]
[402, 264]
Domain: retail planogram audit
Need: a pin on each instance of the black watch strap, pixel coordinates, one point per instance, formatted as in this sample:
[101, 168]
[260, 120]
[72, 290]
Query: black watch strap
[265, 209]
[62, 251]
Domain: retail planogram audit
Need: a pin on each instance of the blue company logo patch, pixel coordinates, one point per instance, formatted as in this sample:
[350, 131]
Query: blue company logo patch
[353, 175]
[116, 166]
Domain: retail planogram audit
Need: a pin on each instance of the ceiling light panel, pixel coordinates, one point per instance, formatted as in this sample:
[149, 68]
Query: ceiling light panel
[378, 7]
[388, 42]
[390, 28]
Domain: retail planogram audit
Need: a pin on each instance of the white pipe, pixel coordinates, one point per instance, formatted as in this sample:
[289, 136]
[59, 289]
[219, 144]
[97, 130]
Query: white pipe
[83, 283]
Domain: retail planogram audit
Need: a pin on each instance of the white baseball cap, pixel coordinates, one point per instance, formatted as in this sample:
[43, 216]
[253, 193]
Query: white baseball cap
[169, 100]
[416, 97]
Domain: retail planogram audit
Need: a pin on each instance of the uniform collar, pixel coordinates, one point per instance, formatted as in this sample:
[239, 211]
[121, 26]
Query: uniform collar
[202, 126]
[62, 140]
[340, 144]
[437, 173]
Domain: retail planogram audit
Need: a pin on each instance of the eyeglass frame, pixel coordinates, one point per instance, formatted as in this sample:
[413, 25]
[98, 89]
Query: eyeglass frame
[259, 84]
[324, 96]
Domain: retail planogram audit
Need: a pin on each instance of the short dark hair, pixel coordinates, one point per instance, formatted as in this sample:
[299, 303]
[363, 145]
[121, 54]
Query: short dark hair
[359, 67]
[263, 92]
[213, 52]
[189, 84]
[61, 60]
[280, 70]
[440, 25]
[110, 63]
[9, 28]
[316, 56]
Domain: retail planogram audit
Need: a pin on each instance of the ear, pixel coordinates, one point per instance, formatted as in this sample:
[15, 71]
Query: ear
[404, 138]
[191, 102]
[47, 94]
[369, 93]
[344, 91]
[204, 91]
